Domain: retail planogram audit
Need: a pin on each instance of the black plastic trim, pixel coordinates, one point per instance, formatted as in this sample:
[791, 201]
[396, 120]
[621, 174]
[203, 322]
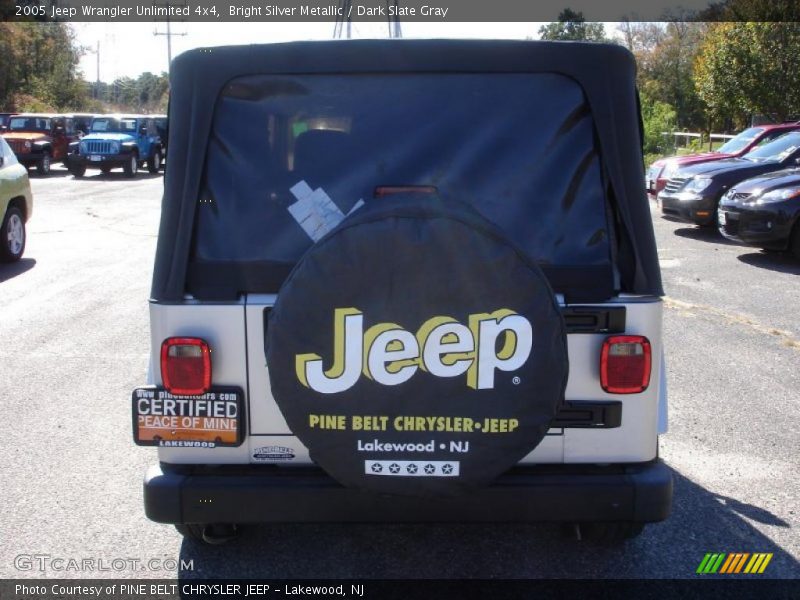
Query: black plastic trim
[242, 494]
[586, 414]
[594, 319]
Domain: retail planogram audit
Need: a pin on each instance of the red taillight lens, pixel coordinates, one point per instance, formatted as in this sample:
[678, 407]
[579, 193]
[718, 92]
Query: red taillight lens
[186, 366]
[625, 364]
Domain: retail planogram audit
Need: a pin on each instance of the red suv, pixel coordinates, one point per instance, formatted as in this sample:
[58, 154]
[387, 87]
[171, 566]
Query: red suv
[661, 170]
[40, 139]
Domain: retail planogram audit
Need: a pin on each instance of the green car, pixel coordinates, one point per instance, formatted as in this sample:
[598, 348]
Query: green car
[16, 204]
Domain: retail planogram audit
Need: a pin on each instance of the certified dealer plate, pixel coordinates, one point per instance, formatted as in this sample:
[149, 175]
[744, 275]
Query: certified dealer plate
[214, 419]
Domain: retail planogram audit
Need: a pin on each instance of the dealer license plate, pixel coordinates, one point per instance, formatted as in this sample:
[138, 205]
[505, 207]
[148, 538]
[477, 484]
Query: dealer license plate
[95, 158]
[214, 419]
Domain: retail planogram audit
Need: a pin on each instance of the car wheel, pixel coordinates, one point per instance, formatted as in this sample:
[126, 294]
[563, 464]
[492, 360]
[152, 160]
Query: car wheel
[78, 170]
[208, 534]
[614, 532]
[154, 164]
[13, 235]
[132, 166]
[43, 166]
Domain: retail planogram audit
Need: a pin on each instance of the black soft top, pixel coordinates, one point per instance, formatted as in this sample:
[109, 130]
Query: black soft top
[606, 74]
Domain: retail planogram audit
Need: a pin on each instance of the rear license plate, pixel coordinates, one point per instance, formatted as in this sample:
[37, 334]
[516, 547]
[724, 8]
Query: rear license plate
[95, 158]
[213, 420]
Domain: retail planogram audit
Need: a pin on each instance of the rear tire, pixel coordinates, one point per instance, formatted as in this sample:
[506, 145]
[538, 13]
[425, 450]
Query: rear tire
[43, 166]
[208, 534]
[610, 533]
[12, 235]
[154, 164]
[132, 166]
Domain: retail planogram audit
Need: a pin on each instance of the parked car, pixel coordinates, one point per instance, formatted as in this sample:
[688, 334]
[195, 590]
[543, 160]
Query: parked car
[38, 140]
[663, 169]
[764, 212]
[16, 204]
[379, 251]
[162, 124]
[4, 120]
[693, 193]
[114, 141]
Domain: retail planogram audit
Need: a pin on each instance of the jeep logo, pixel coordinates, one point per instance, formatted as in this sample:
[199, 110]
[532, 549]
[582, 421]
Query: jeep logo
[390, 355]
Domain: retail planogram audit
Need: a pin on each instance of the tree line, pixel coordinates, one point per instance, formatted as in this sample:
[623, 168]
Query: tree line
[692, 74]
[39, 72]
[706, 76]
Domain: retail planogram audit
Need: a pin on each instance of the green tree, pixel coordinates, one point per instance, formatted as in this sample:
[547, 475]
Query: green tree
[572, 26]
[665, 54]
[39, 67]
[750, 68]
[657, 118]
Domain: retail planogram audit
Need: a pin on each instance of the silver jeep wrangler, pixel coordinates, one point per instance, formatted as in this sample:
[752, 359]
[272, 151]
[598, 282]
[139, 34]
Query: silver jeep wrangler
[405, 281]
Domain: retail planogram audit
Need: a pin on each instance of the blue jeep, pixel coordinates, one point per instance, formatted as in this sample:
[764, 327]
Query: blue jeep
[114, 141]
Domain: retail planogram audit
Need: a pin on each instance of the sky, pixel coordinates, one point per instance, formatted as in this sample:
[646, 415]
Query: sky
[128, 49]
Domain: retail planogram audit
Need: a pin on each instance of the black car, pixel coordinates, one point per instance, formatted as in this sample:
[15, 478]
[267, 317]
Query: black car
[764, 212]
[693, 194]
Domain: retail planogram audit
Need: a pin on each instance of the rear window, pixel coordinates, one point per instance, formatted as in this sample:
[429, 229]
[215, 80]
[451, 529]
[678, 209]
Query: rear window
[519, 148]
[114, 125]
[28, 124]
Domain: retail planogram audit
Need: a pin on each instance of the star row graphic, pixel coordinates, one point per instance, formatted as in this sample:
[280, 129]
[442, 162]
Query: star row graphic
[412, 468]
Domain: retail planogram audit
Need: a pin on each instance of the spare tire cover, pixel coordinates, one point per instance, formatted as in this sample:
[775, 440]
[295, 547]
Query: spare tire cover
[414, 350]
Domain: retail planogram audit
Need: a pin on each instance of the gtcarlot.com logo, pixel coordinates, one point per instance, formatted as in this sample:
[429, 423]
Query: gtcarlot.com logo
[47, 562]
[733, 563]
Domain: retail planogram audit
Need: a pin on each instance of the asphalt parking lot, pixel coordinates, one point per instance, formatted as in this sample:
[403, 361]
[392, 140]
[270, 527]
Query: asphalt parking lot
[75, 342]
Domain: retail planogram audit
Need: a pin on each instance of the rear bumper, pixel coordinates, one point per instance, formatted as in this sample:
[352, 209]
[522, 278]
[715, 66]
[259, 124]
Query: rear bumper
[576, 493]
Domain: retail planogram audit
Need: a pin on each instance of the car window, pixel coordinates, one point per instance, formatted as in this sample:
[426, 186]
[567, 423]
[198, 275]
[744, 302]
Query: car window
[29, 124]
[741, 141]
[771, 135]
[518, 148]
[100, 125]
[776, 150]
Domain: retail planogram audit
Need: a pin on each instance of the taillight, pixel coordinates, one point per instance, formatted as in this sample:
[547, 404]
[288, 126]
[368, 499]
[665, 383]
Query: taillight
[185, 366]
[625, 364]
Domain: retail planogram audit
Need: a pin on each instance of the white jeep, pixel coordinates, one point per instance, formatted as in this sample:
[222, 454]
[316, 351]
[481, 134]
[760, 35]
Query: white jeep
[405, 281]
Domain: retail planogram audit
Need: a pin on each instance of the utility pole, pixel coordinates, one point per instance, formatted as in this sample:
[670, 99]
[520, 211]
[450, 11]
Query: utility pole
[96, 91]
[346, 7]
[168, 35]
[394, 21]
